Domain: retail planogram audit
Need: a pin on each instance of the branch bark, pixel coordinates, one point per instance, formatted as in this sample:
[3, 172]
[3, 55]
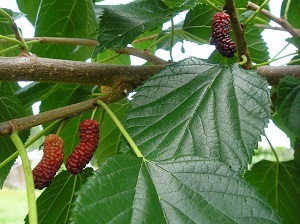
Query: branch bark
[64, 71]
[119, 77]
[238, 32]
[282, 22]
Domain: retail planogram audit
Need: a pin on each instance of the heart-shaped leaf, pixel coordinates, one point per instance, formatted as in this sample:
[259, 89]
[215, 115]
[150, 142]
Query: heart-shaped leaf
[127, 189]
[198, 108]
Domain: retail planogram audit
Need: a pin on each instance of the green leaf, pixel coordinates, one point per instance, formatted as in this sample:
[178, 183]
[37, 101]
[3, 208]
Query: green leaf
[119, 25]
[110, 135]
[256, 45]
[126, 189]
[197, 23]
[277, 120]
[6, 30]
[180, 3]
[73, 19]
[54, 204]
[10, 108]
[29, 8]
[71, 94]
[291, 11]
[288, 103]
[280, 184]
[154, 33]
[112, 57]
[198, 108]
[35, 91]
[295, 41]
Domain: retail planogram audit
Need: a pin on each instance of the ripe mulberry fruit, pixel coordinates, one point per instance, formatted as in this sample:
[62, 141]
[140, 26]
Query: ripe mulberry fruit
[83, 152]
[50, 163]
[220, 34]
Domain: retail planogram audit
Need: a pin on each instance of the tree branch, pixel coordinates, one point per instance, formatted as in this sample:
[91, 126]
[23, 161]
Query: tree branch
[238, 32]
[64, 71]
[31, 121]
[120, 77]
[144, 55]
[282, 22]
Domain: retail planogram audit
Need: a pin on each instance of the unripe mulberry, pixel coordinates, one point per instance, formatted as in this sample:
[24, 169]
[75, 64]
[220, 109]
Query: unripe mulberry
[88, 143]
[220, 34]
[50, 163]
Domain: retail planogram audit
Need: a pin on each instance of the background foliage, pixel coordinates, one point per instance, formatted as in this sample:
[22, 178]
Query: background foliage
[197, 123]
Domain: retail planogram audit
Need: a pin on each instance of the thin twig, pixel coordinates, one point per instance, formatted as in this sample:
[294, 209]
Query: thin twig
[144, 54]
[257, 11]
[264, 26]
[282, 22]
[238, 32]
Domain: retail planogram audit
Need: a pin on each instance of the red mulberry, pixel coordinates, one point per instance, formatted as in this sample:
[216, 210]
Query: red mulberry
[52, 159]
[220, 34]
[83, 152]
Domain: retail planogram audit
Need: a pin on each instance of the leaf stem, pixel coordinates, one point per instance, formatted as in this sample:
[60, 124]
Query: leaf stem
[121, 128]
[277, 169]
[7, 16]
[32, 209]
[94, 112]
[256, 12]
[244, 61]
[274, 59]
[272, 148]
[13, 40]
[172, 39]
[287, 9]
[213, 5]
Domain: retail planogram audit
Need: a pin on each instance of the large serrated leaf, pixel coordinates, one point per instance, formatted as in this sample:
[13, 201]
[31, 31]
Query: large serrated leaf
[280, 184]
[126, 189]
[120, 24]
[198, 108]
[10, 108]
[54, 204]
[288, 103]
[72, 19]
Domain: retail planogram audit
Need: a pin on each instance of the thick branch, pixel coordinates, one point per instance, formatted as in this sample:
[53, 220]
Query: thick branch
[119, 77]
[238, 32]
[274, 74]
[282, 22]
[64, 71]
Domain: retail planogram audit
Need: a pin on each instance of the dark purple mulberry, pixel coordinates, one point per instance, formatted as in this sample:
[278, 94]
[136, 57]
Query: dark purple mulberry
[220, 34]
[88, 143]
[50, 163]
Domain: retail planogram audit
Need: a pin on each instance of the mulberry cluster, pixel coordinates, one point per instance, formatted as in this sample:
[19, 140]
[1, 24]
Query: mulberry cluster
[220, 34]
[83, 152]
[50, 163]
